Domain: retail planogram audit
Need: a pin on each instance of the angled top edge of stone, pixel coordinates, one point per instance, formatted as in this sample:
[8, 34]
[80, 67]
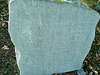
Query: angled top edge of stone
[55, 2]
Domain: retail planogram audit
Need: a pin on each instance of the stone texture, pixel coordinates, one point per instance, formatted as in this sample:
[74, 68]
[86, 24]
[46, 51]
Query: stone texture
[50, 37]
[81, 72]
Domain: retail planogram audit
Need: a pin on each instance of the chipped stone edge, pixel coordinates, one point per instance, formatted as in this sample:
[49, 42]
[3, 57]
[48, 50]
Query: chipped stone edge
[80, 72]
[18, 55]
[10, 1]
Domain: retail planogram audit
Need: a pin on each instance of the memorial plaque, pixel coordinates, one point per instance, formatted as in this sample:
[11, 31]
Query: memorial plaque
[50, 37]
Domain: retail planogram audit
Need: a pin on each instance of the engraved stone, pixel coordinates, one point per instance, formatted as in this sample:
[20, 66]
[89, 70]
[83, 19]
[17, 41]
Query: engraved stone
[50, 37]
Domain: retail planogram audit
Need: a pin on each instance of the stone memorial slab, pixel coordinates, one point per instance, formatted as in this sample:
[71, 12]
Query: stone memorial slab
[50, 37]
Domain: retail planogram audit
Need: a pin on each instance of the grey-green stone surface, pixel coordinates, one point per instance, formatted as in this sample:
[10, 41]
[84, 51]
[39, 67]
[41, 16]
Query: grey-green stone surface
[50, 37]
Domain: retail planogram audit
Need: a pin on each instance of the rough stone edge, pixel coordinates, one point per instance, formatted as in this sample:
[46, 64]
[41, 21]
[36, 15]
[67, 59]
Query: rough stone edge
[80, 72]
[18, 55]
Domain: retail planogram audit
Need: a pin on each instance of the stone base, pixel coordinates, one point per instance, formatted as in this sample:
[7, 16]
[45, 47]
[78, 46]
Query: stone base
[78, 72]
[81, 72]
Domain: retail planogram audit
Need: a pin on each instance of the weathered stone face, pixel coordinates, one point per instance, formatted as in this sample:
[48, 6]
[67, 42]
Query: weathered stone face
[50, 37]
